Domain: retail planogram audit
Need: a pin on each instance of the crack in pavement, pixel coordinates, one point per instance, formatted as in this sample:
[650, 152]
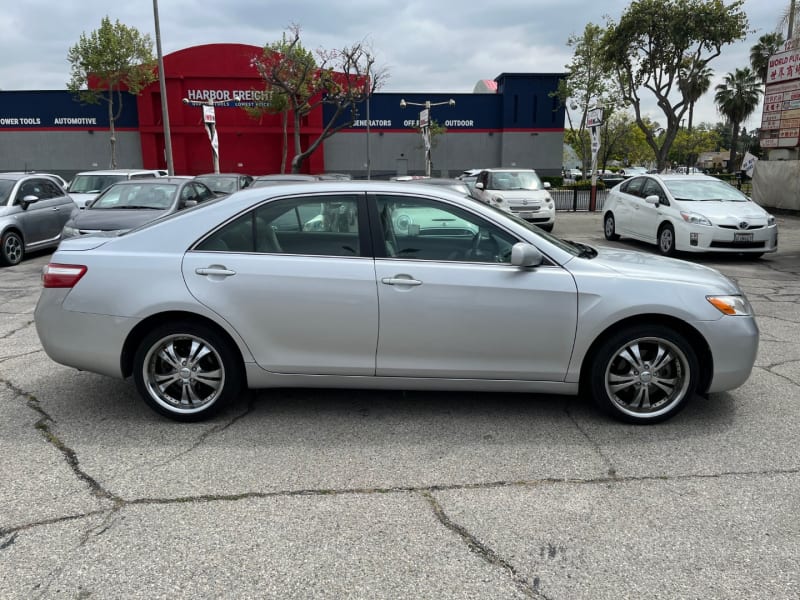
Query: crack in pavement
[17, 330]
[612, 471]
[483, 551]
[365, 491]
[211, 431]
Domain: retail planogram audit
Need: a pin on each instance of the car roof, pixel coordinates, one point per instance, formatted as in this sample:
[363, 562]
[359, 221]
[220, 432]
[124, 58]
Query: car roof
[155, 180]
[288, 177]
[117, 171]
[508, 169]
[222, 175]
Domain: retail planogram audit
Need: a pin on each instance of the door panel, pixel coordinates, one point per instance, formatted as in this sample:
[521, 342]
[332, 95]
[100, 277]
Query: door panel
[472, 320]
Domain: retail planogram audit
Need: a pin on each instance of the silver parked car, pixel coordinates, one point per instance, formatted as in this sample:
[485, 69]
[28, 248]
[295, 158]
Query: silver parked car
[316, 285]
[33, 210]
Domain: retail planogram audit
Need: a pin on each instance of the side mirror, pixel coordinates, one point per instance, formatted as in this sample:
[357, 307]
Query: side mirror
[525, 255]
[654, 200]
[27, 201]
[479, 186]
[189, 203]
[547, 185]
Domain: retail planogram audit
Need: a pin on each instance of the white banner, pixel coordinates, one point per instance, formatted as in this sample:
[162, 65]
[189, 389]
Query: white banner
[749, 164]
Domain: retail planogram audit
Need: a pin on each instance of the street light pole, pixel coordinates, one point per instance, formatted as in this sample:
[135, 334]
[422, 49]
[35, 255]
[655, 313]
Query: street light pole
[162, 86]
[425, 125]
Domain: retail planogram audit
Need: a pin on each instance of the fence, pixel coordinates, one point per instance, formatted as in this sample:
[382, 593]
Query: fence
[577, 200]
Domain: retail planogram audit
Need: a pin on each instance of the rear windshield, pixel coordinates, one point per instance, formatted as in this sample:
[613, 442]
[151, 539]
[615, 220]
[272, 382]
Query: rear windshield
[93, 184]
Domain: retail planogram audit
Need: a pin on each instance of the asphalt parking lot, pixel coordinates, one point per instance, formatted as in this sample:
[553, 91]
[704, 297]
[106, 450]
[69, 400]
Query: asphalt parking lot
[358, 494]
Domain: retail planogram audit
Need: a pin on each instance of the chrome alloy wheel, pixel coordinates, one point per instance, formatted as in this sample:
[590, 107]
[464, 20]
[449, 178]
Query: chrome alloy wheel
[183, 372]
[646, 377]
[666, 241]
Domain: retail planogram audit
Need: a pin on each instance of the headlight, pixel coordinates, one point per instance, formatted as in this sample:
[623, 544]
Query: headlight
[69, 231]
[695, 218]
[731, 305]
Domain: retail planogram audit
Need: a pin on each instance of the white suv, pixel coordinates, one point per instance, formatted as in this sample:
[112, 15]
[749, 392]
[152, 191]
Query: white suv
[87, 185]
[521, 190]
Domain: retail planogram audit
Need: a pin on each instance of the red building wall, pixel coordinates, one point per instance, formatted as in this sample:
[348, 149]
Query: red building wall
[246, 145]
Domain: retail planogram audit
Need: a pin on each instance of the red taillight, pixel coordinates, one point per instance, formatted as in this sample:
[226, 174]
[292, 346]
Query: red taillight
[56, 275]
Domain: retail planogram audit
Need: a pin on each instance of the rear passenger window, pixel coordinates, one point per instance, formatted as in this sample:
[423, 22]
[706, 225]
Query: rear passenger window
[318, 225]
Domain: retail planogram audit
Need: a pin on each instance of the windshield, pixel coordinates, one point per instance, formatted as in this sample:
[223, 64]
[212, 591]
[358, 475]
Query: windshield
[137, 196]
[6, 185]
[704, 190]
[565, 245]
[220, 184]
[514, 180]
[93, 184]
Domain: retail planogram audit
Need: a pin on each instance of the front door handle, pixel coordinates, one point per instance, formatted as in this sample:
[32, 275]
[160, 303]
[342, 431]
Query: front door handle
[400, 281]
[215, 270]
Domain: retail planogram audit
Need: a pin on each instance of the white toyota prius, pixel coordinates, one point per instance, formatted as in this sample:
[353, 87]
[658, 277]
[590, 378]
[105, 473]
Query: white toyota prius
[688, 213]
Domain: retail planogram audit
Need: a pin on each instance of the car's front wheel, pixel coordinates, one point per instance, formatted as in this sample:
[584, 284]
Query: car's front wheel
[187, 371]
[666, 240]
[644, 374]
[609, 227]
[11, 248]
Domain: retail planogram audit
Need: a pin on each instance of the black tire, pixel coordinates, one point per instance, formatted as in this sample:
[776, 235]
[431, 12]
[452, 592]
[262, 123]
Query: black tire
[12, 249]
[199, 381]
[609, 227]
[643, 374]
[666, 240]
[547, 228]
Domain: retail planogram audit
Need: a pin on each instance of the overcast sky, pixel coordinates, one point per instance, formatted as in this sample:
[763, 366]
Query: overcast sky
[426, 46]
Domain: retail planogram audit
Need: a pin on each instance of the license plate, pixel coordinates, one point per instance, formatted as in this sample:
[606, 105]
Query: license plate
[742, 237]
[526, 215]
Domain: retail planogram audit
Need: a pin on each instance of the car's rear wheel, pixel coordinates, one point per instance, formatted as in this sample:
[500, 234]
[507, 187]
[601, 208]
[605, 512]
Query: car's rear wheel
[666, 240]
[12, 248]
[187, 371]
[644, 374]
[609, 227]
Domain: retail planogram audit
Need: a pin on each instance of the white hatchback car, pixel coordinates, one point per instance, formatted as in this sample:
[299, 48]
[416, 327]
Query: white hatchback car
[521, 190]
[688, 213]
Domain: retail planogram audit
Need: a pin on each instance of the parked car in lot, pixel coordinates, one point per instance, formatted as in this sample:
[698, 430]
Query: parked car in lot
[632, 171]
[521, 190]
[244, 295]
[225, 183]
[689, 213]
[33, 210]
[278, 178]
[459, 185]
[87, 185]
[131, 203]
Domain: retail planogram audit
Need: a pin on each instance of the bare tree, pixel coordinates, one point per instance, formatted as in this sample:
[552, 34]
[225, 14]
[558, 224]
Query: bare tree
[342, 78]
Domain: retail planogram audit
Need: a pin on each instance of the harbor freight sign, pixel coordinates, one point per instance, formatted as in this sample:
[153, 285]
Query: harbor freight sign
[780, 120]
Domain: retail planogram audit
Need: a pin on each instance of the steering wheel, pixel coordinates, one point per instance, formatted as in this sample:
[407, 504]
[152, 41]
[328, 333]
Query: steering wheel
[478, 249]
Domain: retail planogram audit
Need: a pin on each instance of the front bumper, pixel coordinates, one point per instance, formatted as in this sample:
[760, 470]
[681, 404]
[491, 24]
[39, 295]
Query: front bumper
[728, 239]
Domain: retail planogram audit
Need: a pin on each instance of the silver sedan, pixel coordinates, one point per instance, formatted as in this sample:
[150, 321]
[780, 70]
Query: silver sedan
[314, 285]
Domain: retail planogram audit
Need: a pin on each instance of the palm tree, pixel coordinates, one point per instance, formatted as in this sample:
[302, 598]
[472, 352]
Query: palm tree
[695, 79]
[737, 98]
[767, 45]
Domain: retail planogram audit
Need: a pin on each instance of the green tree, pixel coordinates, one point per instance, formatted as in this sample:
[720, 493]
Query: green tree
[107, 60]
[653, 41]
[737, 98]
[341, 78]
[588, 82]
[767, 45]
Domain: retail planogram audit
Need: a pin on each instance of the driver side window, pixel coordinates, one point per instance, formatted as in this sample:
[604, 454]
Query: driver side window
[424, 229]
